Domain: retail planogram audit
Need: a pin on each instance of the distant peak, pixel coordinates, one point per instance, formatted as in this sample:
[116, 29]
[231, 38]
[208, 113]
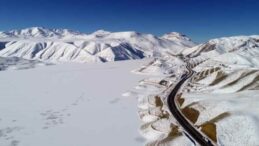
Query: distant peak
[36, 27]
[174, 33]
[101, 31]
[31, 29]
[41, 32]
[175, 36]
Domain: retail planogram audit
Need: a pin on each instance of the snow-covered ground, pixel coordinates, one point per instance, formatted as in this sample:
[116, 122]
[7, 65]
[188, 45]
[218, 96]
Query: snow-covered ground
[70, 105]
[16, 63]
[224, 90]
[94, 104]
[235, 115]
[220, 99]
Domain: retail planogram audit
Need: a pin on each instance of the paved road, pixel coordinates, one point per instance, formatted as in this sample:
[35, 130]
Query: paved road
[175, 111]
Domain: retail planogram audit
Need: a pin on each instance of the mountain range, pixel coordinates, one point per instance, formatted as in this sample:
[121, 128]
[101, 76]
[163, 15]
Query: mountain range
[63, 45]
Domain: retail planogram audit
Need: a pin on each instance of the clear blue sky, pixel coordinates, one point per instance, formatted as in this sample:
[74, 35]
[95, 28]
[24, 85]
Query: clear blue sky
[199, 19]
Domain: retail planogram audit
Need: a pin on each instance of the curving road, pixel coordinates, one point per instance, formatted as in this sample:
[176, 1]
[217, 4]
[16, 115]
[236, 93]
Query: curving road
[190, 131]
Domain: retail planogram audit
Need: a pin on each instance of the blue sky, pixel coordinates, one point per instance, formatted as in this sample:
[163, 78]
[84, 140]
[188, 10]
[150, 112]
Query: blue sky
[199, 19]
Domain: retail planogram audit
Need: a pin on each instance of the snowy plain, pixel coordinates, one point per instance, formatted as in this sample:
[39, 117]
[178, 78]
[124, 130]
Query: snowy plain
[70, 105]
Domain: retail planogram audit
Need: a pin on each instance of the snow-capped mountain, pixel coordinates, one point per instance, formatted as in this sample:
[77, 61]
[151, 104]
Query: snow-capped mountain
[39, 32]
[62, 45]
[223, 45]
[174, 36]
